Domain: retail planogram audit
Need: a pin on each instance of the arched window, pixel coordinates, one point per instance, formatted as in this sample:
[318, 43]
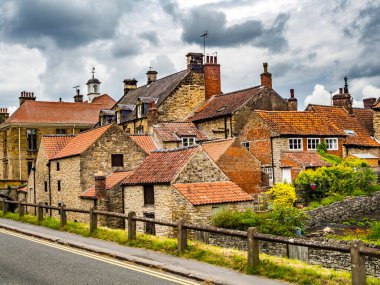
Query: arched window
[95, 88]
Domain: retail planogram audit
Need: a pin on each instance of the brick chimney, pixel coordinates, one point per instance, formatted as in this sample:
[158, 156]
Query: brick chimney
[78, 97]
[100, 185]
[3, 114]
[292, 102]
[26, 96]
[343, 99]
[369, 102]
[151, 76]
[194, 61]
[130, 84]
[211, 71]
[266, 77]
[152, 117]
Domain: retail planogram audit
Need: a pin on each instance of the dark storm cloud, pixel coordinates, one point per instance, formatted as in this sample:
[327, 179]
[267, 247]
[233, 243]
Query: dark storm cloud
[151, 37]
[370, 31]
[68, 25]
[367, 69]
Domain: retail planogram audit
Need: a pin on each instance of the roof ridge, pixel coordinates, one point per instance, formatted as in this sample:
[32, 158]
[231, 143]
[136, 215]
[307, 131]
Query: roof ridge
[217, 140]
[58, 135]
[236, 91]
[162, 150]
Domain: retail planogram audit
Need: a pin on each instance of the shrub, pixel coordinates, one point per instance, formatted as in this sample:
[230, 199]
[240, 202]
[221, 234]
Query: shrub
[283, 195]
[330, 158]
[374, 233]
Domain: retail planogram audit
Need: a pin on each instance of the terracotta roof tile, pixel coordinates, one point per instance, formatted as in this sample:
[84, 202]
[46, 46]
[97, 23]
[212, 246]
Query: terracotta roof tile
[161, 166]
[105, 100]
[365, 117]
[82, 142]
[302, 159]
[55, 143]
[212, 192]
[216, 148]
[173, 131]
[111, 181]
[146, 142]
[225, 104]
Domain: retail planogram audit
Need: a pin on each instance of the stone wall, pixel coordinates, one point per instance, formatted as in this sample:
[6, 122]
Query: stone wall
[215, 128]
[113, 202]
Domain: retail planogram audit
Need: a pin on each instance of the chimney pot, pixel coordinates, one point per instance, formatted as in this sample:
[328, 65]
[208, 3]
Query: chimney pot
[291, 93]
[215, 59]
[212, 78]
[266, 77]
[340, 90]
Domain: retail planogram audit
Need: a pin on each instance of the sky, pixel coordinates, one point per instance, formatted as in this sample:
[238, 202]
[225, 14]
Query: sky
[49, 46]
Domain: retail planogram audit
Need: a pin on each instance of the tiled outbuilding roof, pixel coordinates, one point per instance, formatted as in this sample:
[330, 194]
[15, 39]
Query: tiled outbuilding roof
[55, 143]
[204, 193]
[82, 142]
[302, 159]
[161, 166]
[225, 104]
[173, 131]
[365, 118]
[146, 142]
[216, 148]
[112, 180]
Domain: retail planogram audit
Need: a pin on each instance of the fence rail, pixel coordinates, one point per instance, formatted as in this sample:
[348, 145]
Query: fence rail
[357, 249]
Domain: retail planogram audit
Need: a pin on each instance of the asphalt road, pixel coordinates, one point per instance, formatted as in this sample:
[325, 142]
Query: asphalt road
[27, 260]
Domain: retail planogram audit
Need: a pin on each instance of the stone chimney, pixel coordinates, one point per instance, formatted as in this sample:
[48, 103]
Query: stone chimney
[3, 114]
[26, 96]
[195, 61]
[266, 77]
[369, 102]
[100, 185]
[151, 76]
[211, 71]
[343, 99]
[129, 84]
[292, 102]
[152, 117]
[78, 98]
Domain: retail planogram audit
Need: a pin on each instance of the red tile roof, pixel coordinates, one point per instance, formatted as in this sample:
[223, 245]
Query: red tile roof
[173, 131]
[146, 142]
[302, 159]
[55, 143]
[226, 104]
[112, 180]
[215, 149]
[365, 118]
[39, 112]
[161, 166]
[105, 100]
[82, 142]
[212, 192]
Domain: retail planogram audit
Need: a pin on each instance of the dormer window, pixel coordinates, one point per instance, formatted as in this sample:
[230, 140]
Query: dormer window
[139, 111]
[187, 141]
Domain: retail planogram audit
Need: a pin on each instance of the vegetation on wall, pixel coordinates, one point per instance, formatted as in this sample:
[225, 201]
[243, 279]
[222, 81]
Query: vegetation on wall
[283, 195]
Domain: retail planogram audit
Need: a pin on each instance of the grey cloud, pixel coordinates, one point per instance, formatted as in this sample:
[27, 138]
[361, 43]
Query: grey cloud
[367, 69]
[151, 37]
[125, 48]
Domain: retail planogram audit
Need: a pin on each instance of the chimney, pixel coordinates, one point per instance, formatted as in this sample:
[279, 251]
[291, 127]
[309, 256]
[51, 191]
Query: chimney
[266, 77]
[152, 76]
[194, 61]
[211, 71]
[292, 102]
[26, 96]
[130, 84]
[343, 99]
[152, 117]
[100, 185]
[340, 90]
[3, 114]
[78, 98]
[369, 102]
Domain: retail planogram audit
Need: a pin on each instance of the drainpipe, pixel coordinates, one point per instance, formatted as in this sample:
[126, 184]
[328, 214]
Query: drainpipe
[49, 179]
[19, 149]
[34, 188]
[123, 203]
[225, 128]
[231, 132]
[271, 150]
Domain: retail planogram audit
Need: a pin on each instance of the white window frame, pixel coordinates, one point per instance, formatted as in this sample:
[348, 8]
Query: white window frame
[317, 139]
[188, 141]
[336, 143]
[246, 144]
[118, 117]
[269, 172]
[301, 144]
[139, 110]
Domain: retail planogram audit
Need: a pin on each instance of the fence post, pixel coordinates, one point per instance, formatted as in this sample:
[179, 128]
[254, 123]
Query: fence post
[253, 248]
[21, 209]
[357, 263]
[40, 212]
[131, 226]
[63, 216]
[93, 221]
[5, 206]
[182, 236]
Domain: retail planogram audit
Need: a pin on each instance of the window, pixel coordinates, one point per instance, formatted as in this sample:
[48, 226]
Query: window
[332, 144]
[31, 135]
[245, 144]
[46, 209]
[95, 88]
[150, 228]
[350, 132]
[140, 130]
[30, 166]
[45, 186]
[269, 172]
[59, 185]
[187, 141]
[58, 166]
[295, 144]
[60, 131]
[148, 195]
[117, 160]
[313, 143]
[139, 111]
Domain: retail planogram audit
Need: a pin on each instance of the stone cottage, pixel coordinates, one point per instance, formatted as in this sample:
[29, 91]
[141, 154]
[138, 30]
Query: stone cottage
[180, 183]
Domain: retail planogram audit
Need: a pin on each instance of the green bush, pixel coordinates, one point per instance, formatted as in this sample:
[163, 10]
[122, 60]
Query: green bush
[374, 233]
[330, 158]
[283, 195]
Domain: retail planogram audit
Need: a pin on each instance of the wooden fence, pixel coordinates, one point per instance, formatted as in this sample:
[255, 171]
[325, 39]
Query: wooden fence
[357, 250]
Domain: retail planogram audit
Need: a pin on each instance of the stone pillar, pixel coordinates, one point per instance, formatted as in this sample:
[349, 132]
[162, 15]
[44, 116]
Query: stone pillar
[266, 77]
[100, 185]
[292, 102]
[211, 71]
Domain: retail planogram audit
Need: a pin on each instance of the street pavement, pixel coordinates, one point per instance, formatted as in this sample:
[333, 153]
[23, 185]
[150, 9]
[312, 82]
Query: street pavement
[47, 258]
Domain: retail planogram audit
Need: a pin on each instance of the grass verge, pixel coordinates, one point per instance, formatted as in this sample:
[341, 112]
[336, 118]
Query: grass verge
[289, 270]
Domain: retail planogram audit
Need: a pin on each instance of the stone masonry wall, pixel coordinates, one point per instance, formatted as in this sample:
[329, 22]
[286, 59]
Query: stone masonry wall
[215, 128]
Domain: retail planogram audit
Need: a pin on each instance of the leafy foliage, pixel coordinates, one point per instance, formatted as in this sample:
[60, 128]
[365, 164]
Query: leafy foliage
[374, 232]
[283, 195]
[330, 158]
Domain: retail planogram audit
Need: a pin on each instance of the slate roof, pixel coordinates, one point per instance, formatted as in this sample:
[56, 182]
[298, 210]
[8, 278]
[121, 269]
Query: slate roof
[222, 105]
[302, 159]
[158, 90]
[112, 180]
[146, 142]
[216, 148]
[173, 131]
[55, 143]
[204, 193]
[82, 142]
[161, 166]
